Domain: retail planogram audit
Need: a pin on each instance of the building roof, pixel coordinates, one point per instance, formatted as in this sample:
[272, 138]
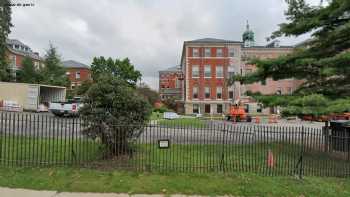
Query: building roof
[172, 69]
[74, 64]
[212, 40]
[267, 47]
[23, 49]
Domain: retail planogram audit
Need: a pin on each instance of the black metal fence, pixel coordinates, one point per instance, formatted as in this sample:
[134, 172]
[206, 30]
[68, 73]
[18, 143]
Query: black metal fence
[173, 146]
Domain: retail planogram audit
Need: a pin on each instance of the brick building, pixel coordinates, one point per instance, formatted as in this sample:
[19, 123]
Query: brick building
[170, 83]
[208, 63]
[269, 87]
[77, 72]
[17, 51]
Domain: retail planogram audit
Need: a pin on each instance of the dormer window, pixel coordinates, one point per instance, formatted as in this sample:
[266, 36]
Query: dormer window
[17, 46]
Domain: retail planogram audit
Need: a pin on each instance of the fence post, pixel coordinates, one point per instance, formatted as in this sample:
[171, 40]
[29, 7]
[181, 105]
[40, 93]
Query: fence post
[302, 153]
[222, 162]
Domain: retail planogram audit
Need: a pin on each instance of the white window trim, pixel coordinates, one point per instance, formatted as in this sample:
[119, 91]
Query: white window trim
[222, 53]
[210, 72]
[195, 48]
[216, 72]
[195, 77]
[205, 54]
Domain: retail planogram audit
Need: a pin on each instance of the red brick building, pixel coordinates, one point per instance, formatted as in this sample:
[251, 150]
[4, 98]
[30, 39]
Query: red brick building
[208, 63]
[170, 83]
[77, 72]
[17, 51]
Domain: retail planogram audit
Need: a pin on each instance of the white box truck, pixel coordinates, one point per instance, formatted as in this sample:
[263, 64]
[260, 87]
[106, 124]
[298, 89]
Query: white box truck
[31, 96]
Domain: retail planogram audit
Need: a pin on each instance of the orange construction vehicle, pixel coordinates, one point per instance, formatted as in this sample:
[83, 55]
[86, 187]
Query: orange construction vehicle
[237, 114]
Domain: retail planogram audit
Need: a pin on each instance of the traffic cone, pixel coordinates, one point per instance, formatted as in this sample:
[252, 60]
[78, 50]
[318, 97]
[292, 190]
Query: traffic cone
[270, 159]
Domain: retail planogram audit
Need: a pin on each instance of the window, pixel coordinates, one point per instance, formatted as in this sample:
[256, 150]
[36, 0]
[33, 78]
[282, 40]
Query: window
[230, 94]
[195, 92]
[206, 92]
[248, 70]
[290, 90]
[77, 75]
[207, 52]
[259, 108]
[219, 92]
[207, 108]
[219, 53]
[195, 108]
[207, 71]
[219, 71]
[195, 71]
[219, 108]
[195, 52]
[231, 71]
[231, 52]
[279, 91]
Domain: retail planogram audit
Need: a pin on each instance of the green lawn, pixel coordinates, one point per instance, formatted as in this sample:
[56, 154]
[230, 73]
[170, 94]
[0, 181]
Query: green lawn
[15, 150]
[242, 184]
[183, 122]
[238, 158]
[21, 151]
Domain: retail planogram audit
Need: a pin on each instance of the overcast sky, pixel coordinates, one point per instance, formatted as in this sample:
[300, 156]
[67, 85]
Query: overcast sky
[150, 32]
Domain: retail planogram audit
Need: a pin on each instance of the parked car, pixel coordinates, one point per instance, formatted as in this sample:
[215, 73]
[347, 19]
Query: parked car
[170, 115]
[68, 108]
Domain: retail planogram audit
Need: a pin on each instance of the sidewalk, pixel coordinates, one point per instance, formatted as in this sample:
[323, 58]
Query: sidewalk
[7, 192]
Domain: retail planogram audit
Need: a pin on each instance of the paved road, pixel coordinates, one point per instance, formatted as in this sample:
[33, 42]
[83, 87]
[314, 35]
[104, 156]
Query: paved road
[215, 132]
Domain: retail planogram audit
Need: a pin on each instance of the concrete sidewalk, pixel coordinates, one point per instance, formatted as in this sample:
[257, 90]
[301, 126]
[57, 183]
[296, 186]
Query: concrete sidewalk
[8, 192]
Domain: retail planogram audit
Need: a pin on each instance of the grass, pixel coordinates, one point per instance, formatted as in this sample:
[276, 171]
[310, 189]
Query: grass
[156, 116]
[243, 184]
[22, 151]
[183, 122]
[16, 150]
[239, 158]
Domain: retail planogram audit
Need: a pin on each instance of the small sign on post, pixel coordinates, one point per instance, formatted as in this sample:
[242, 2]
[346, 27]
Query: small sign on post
[164, 144]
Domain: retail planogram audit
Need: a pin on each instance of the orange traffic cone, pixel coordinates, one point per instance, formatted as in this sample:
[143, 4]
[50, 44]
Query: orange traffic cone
[270, 159]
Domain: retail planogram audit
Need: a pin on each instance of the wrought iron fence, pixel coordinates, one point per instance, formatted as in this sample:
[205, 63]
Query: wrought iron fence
[37, 140]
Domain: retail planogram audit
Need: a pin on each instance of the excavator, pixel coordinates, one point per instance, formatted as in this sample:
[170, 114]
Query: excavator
[237, 114]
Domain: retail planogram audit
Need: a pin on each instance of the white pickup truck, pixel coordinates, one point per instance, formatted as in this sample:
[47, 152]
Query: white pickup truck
[69, 108]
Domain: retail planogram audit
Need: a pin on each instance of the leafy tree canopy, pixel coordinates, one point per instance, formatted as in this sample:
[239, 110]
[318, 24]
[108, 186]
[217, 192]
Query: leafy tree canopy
[150, 95]
[322, 61]
[5, 25]
[116, 113]
[122, 69]
[113, 105]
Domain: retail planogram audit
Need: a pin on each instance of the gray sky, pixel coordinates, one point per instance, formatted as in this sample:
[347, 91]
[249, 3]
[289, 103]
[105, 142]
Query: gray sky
[149, 32]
